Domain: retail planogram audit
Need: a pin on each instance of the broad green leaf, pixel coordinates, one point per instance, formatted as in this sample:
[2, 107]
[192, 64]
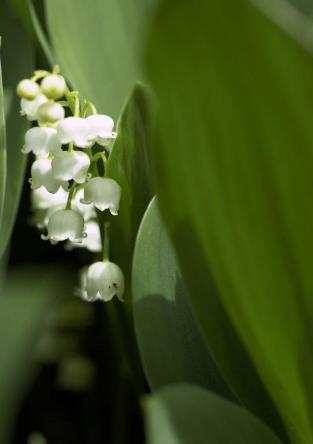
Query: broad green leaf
[234, 170]
[25, 304]
[185, 414]
[128, 165]
[2, 147]
[17, 63]
[98, 45]
[170, 343]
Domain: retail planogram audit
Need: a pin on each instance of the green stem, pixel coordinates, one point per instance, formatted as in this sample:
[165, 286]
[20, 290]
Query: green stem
[70, 196]
[89, 105]
[106, 242]
[71, 147]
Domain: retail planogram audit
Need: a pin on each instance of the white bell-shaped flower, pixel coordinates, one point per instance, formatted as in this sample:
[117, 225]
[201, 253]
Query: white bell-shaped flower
[44, 204]
[100, 129]
[103, 280]
[86, 210]
[68, 165]
[41, 199]
[74, 130]
[41, 141]
[104, 193]
[29, 108]
[42, 175]
[63, 225]
[92, 241]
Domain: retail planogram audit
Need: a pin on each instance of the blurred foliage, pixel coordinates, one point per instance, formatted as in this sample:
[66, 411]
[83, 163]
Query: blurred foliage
[188, 414]
[99, 45]
[17, 57]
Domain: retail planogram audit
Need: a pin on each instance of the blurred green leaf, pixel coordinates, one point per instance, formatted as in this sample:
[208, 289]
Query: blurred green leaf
[3, 161]
[128, 164]
[17, 62]
[38, 27]
[98, 45]
[234, 169]
[25, 304]
[185, 414]
[171, 345]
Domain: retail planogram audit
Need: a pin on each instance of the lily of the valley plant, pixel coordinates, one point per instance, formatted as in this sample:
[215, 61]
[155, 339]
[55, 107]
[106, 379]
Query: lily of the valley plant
[68, 186]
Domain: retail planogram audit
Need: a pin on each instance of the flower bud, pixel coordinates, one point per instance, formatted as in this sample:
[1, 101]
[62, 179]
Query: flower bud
[104, 193]
[42, 175]
[29, 108]
[41, 141]
[103, 280]
[68, 165]
[27, 89]
[53, 86]
[63, 225]
[50, 112]
[100, 129]
[74, 130]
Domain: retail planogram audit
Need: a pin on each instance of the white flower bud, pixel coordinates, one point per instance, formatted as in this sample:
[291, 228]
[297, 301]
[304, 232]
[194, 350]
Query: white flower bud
[86, 210]
[41, 141]
[104, 193]
[42, 175]
[74, 130]
[100, 129]
[27, 89]
[68, 165]
[53, 86]
[29, 108]
[91, 242]
[63, 225]
[50, 112]
[103, 280]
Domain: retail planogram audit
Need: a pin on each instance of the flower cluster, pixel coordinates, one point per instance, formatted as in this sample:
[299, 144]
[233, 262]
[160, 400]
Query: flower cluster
[68, 187]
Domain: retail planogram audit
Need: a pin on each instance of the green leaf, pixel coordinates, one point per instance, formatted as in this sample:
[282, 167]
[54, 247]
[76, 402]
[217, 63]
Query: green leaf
[17, 62]
[99, 46]
[170, 342]
[183, 414]
[25, 304]
[3, 160]
[234, 170]
[128, 164]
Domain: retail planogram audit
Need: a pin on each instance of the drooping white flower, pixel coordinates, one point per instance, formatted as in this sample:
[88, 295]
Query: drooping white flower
[68, 165]
[29, 108]
[104, 193]
[27, 89]
[44, 204]
[41, 141]
[86, 210]
[53, 86]
[50, 112]
[42, 175]
[74, 130]
[100, 129]
[92, 241]
[103, 280]
[63, 225]
[43, 200]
